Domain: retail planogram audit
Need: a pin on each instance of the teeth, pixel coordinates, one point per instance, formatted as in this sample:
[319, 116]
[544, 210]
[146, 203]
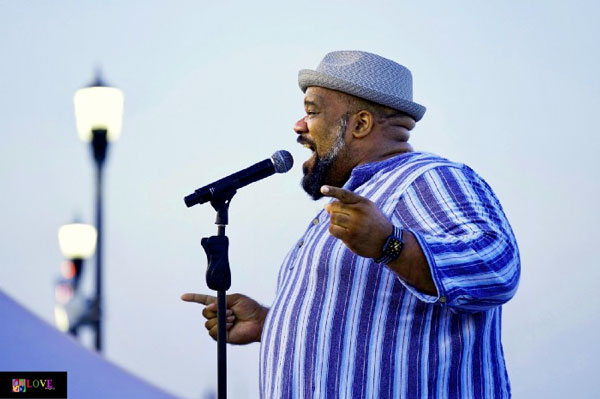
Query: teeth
[307, 146]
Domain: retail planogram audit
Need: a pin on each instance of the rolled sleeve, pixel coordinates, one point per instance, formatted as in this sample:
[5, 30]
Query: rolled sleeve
[466, 238]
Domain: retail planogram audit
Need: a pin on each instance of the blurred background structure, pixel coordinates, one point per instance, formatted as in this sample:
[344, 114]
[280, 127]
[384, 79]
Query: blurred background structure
[512, 89]
[99, 116]
[73, 309]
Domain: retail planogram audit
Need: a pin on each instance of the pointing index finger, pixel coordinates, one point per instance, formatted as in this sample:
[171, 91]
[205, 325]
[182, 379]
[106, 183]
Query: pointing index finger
[346, 196]
[199, 298]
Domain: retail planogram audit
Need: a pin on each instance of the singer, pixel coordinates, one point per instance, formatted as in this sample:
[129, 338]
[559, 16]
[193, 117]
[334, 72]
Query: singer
[396, 288]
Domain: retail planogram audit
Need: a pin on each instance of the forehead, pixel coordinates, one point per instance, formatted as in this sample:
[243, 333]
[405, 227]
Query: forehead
[321, 96]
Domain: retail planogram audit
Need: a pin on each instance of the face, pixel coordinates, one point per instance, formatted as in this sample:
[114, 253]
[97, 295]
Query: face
[323, 131]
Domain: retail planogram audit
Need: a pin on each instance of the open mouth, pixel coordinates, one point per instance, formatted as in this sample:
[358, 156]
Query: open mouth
[306, 144]
[307, 165]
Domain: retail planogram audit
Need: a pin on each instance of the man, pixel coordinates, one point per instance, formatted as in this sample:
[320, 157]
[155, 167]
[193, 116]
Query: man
[395, 289]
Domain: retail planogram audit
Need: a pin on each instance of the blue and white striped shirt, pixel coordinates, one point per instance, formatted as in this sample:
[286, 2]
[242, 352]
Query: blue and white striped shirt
[342, 326]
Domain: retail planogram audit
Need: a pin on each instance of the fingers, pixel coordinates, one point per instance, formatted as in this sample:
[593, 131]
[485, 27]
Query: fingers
[340, 220]
[341, 211]
[338, 232]
[199, 298]
[210, 312]
[213, 322]
[232, 299]
[215, 330]
[211, 301]
[213, 327]
[345, 196]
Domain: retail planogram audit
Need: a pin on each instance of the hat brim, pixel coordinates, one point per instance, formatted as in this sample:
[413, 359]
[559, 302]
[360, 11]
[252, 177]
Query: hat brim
[308, 78]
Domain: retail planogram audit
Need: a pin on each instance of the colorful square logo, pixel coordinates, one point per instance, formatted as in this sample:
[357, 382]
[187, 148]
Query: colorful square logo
[18, 385]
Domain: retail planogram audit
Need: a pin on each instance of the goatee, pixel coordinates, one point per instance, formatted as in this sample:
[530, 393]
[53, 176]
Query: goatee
[322, 167]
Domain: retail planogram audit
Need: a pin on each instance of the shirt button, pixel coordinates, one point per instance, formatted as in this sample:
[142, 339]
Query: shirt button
[315, 221]
[442, 299]
[300, 244]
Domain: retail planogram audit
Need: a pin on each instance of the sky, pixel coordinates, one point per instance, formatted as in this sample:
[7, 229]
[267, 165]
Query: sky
[511, 89]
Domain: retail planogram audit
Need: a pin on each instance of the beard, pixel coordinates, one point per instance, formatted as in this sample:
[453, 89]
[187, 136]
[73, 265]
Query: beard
[321, 171]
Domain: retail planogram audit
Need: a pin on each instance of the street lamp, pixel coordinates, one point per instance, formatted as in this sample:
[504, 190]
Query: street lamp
[77, 242]
[99, 115]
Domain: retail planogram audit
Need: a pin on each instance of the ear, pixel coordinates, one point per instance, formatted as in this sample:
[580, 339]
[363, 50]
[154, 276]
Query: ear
[362, 124]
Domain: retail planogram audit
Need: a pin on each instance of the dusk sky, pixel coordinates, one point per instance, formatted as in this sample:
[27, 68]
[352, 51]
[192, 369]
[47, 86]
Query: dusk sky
[511, 88]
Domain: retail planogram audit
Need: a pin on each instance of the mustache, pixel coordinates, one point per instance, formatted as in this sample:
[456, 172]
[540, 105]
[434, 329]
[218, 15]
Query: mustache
[304, 141]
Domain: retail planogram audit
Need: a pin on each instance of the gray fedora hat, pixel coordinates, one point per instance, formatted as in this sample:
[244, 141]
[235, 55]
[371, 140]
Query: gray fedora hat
[365, 75]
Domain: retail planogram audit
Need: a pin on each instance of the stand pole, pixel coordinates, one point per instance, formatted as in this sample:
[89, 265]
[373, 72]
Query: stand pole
[221, 335]
[221, 346]
[218, 278]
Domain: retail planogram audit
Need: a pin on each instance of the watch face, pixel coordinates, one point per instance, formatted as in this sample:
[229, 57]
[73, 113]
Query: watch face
[393, 247]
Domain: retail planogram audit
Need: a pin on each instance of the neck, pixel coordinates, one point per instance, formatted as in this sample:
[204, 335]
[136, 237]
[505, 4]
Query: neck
[385, 152]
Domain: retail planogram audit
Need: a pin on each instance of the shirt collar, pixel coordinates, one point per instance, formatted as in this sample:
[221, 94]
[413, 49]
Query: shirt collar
[362, 173]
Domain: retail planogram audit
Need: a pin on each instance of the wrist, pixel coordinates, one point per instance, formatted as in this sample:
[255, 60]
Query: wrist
[261, 321]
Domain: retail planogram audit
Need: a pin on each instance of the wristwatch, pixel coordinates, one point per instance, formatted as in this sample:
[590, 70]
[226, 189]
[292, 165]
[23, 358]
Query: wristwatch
[392, 248]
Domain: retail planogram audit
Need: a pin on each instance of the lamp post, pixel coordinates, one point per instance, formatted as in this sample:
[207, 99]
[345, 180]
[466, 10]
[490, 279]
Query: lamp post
[99, 114]
[77, 242]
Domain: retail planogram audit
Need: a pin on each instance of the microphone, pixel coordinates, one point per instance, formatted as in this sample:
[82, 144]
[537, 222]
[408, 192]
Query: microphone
[280, 162]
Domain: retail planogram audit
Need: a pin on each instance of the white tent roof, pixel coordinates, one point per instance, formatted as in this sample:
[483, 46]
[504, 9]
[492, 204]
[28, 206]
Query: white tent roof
[28, 343]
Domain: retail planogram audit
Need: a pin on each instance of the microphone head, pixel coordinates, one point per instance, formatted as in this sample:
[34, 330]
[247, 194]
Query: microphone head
[282, 161]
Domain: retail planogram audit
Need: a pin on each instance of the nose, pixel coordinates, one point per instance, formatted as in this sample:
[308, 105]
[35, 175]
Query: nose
[300, 126]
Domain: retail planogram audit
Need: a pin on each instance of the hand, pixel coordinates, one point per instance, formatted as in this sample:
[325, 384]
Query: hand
[357, 222]
[245, 317]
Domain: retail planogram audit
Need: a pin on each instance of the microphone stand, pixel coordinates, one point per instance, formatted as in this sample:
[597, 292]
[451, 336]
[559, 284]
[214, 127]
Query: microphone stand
[218, 278]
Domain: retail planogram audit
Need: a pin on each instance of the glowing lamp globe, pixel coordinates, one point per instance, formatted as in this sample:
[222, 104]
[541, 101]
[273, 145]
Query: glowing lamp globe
[61, 318]
[77, 240]
[98, 108]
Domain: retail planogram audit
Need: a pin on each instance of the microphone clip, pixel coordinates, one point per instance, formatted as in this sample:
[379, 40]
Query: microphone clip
[218, 273]
[220, 202]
